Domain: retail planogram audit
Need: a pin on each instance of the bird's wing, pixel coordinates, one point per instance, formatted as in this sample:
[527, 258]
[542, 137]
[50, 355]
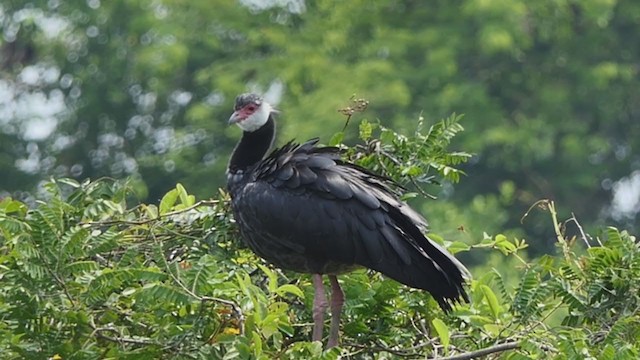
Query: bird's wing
[310, 200]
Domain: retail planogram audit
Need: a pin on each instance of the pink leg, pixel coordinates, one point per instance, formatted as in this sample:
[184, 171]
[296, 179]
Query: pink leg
[319, 307]
[337, 300]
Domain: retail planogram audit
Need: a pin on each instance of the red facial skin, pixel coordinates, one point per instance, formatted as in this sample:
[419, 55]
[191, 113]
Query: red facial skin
[243, 113]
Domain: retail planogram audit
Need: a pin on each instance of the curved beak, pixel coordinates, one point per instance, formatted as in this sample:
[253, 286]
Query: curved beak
[235, 118]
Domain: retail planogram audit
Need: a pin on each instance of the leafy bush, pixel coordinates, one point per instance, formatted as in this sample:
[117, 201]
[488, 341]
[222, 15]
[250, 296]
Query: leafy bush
[87, 275]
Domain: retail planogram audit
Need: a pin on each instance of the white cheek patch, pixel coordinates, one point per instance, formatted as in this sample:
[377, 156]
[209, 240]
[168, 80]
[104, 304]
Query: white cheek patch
[255, 121]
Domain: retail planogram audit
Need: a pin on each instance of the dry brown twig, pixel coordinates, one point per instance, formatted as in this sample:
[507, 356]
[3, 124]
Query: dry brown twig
[357, 105]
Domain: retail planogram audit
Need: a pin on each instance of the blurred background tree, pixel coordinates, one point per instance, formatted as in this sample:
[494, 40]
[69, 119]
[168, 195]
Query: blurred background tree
[143, 88]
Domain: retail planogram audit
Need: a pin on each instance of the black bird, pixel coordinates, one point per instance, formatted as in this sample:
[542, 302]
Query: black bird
[305, 209]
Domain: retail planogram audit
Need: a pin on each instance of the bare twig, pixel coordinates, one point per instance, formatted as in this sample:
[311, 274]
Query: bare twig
[358, 105]
[146, 221]
[99, 332]
[379, 348]
[566, 251]
[582, 234]
[420, 190]
[598, 240]
[388, 156]
[122, 339]
[235, 307]
[540, 322]
[482, 352]
[540, 203]
[196, 205]
[64, 287]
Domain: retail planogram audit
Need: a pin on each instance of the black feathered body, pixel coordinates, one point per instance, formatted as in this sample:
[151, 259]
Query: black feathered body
[302, 208]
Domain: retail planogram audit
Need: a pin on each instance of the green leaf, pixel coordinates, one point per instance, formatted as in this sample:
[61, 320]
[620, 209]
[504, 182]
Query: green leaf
[366, 129]
[168, 201]
[129, 291]
[185, 198]
[608, 353]
[504, 245]
[71, 182]
[480, 319]
[257, 344]
[412, 170]
[409, 195]
[458, 246]
[443, 333]
[336, 139]
[316, 348]
[492, 300]
[437, 238]
[79, 267]
[169, 294]
[10, 206]
[151, 211]
[387, 136]
[493, 329]
[289, 289]
[272, 276]
[500, 238]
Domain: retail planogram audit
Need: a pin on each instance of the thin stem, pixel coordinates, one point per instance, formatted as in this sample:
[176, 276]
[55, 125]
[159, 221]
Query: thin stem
[146, 221]
[582, 233]
[483, 352]
[235, 307]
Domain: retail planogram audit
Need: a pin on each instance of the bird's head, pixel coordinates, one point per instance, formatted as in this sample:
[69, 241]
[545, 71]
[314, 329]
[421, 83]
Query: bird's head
[250, 112]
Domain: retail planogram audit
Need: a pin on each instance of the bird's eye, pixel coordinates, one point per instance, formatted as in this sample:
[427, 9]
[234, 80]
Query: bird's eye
[251, 107]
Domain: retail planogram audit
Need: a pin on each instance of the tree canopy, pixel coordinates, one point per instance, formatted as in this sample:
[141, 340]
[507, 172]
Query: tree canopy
[86, 275]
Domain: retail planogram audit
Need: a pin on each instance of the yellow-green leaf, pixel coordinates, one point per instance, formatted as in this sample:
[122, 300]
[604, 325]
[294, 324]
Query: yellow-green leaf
[151, 210]
[257, 344]
[492, 329]
[184, 196]
[443, 333]
[289, 289]
[366, 129]
[336, 139]
[168, 201]
[492, 300]
[500, 238]
[273, 278]
[458, 246]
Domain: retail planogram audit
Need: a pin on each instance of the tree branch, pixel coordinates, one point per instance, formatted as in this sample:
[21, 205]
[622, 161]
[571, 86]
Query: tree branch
[99, 333]
[209, 203]
[482, 352]
[123, 339]
[235, 307]
[381, 348]
[582, 234]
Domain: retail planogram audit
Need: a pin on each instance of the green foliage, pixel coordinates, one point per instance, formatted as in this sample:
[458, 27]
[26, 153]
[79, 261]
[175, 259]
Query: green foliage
[87, 275]
[570, 306]
[410, 159]
[87, 272]
[84, 276]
